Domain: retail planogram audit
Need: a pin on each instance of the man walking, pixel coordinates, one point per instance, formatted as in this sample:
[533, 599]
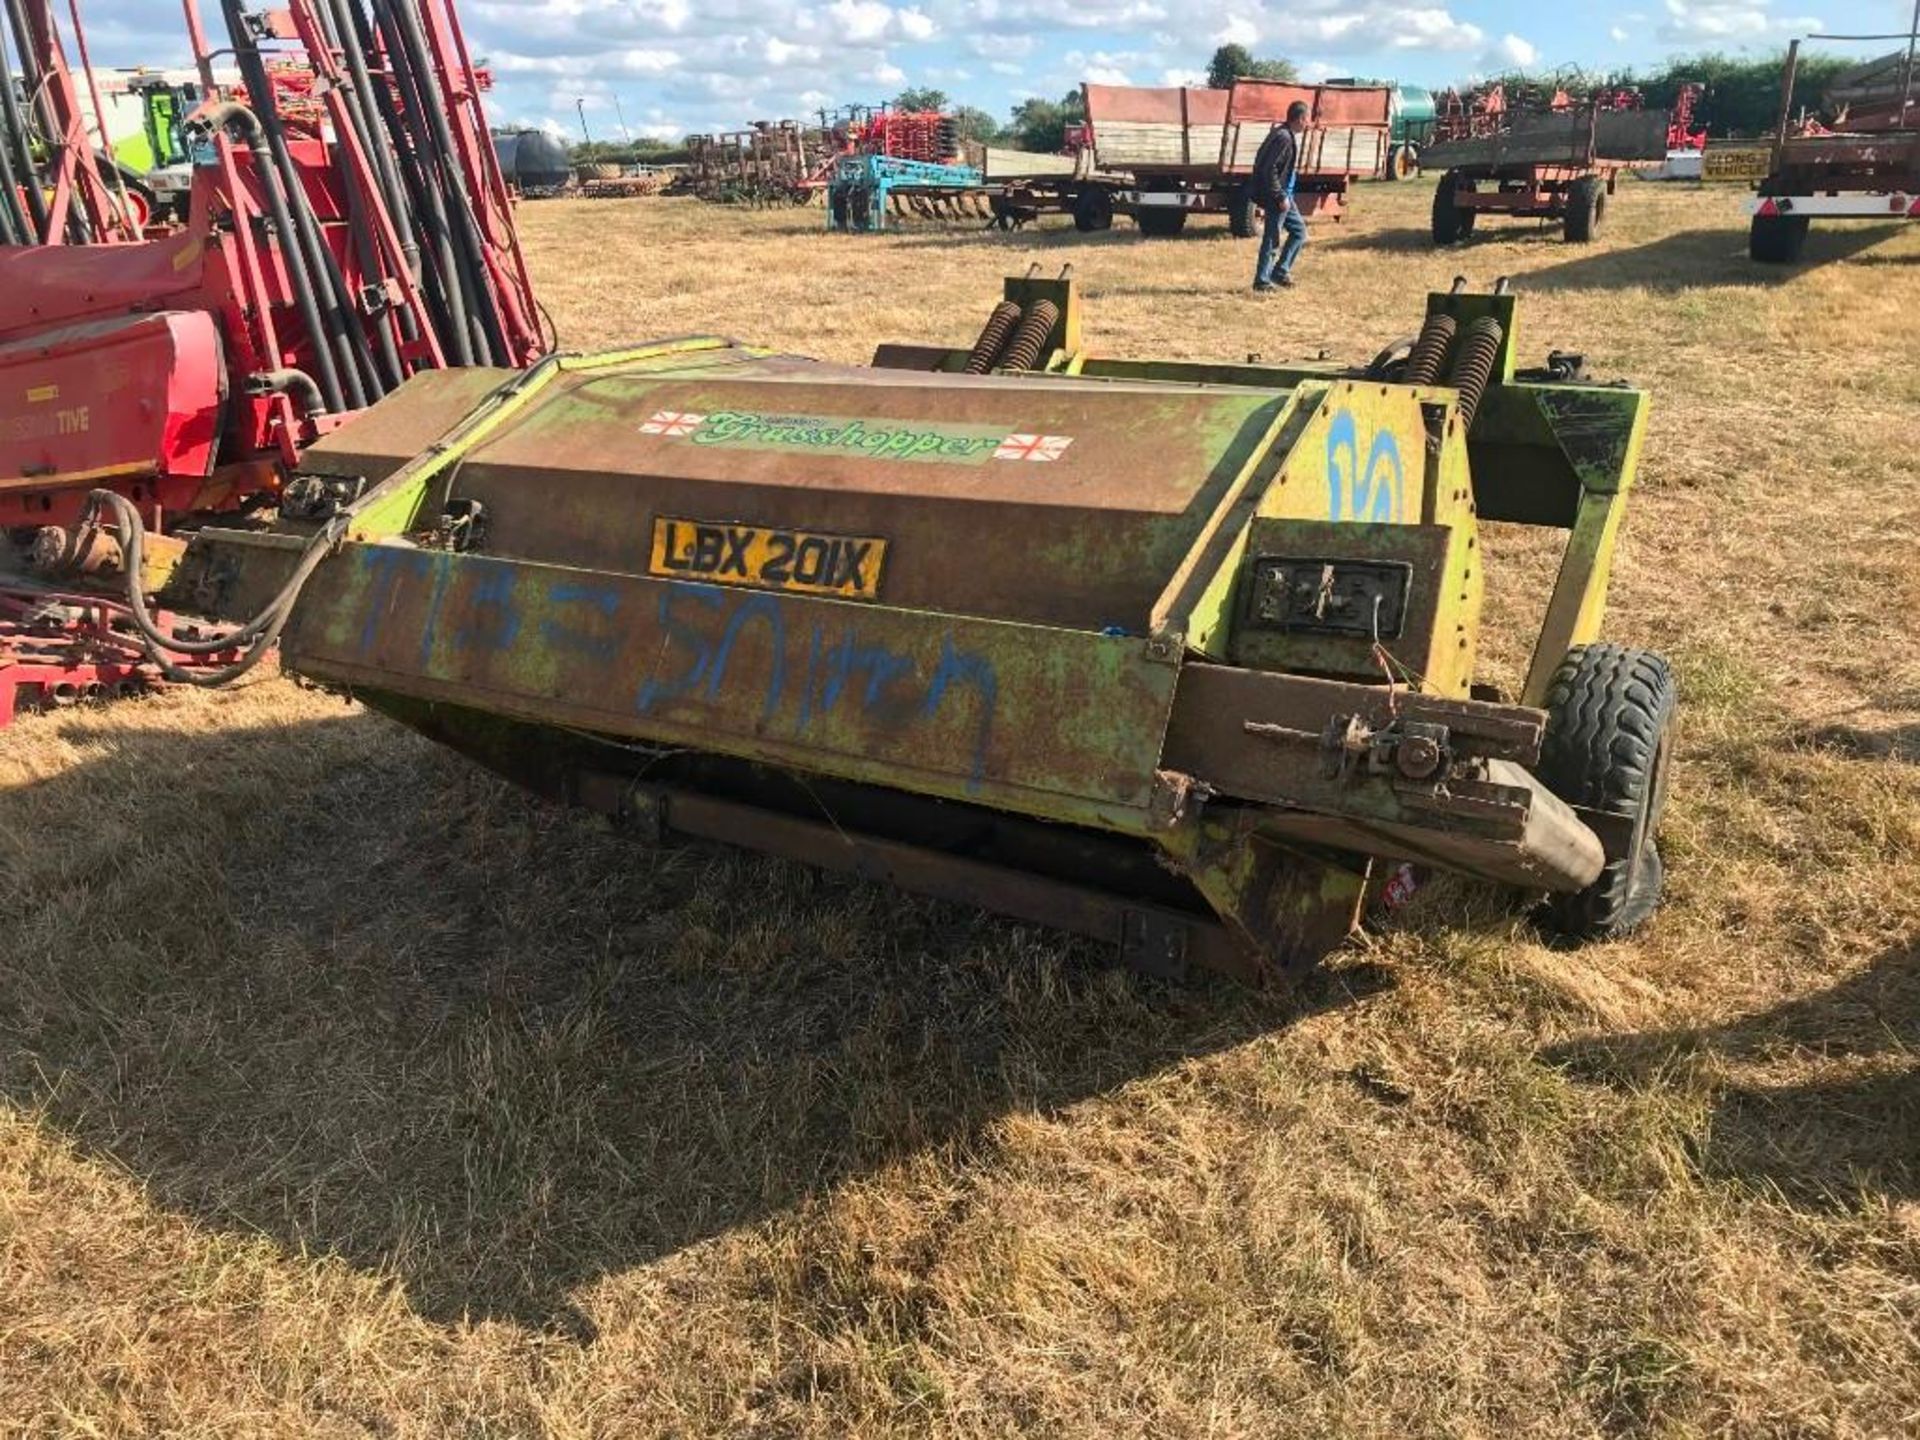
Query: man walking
[1275, 169]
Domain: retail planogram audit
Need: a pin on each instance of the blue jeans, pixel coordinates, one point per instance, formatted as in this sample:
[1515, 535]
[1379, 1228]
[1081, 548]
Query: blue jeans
[1296, 227]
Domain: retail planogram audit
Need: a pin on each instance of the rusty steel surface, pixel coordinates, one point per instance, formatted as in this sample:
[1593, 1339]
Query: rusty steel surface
[1167, 656]
[962, 707]
[997, 499]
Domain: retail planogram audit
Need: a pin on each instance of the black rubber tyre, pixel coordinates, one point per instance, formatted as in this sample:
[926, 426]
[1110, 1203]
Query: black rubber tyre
[1608, 747]
[837, 205]
[1586, 208]
[1093, 211]
[1777, 239]
[1160, 223]
[1242, 216]
[1403, 162]
[1451, 224]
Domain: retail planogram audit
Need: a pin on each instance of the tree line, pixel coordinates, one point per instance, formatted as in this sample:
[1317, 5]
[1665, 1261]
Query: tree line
[1742, 98]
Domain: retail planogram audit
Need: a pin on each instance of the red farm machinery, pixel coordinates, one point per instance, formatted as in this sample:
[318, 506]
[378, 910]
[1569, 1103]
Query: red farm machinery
[1864, 165]
[347, 228]
[1538, 153]
[1161, 155]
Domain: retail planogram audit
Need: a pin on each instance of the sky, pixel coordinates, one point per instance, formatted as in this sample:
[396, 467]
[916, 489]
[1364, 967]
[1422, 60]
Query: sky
[663, 68]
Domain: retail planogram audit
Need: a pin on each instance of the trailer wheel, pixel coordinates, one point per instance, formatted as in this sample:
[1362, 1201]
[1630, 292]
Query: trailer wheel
[1451, 223]
[1586, 208]
[1092, 211]
[1240, 214]
[1403, 162]
[1160, 224]
[1608, 747]
[837, 207]
[1778, 239]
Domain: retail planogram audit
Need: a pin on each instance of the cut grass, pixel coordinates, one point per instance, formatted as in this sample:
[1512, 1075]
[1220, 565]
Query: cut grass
[342, 1090]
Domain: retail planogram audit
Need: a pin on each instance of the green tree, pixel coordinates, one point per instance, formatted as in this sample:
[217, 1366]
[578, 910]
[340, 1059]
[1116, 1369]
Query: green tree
[921, 98]
[1236, 62]
[976, 125]
[1041, 125]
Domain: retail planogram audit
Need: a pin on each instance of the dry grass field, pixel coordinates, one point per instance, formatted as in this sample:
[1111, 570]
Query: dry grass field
[345, 1092]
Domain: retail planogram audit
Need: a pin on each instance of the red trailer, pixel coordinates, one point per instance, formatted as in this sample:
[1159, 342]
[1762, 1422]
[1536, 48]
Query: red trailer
[1871, 171]
[1162, 154]
[1556, 164]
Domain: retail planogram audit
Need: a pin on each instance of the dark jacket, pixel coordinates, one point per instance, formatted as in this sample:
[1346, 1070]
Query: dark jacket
[1274, 166]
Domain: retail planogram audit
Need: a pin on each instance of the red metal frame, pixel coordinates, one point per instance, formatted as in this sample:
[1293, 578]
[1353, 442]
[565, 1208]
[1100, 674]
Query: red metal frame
[167, 368]
[65, 649]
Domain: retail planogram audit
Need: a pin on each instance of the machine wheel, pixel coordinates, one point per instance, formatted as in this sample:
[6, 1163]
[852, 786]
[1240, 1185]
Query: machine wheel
[1451, 224]
[1093, 211]
[862, 207]
[1586, 208]
[1157, 223]
[837, 206]
[1777, 239]
[1242, 219]
[1608, 748]
[1403, 162]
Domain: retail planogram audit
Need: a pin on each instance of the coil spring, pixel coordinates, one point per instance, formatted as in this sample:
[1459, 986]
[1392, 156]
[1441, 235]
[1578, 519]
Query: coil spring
[1429, 357]
[1031, 338]
[993, 337]
[1473, 370]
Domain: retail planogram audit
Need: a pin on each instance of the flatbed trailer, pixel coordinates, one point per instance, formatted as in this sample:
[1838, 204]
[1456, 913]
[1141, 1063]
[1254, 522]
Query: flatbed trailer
[1860, 175]
[1559, 165]
[1160, 155]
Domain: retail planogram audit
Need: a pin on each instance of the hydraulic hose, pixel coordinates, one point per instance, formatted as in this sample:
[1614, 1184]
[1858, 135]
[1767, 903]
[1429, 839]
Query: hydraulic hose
[259, 634]
[305, 294]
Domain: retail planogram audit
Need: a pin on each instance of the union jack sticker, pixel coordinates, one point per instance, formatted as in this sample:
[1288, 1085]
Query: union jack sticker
[675, 424]
[1041, 449]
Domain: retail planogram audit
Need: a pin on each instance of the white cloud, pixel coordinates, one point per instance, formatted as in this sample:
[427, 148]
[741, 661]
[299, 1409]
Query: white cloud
[712, 65]
[1237, 31]
[1512, 51]
[1720, 21]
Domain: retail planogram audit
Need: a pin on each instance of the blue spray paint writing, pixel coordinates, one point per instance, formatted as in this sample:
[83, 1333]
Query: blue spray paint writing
[486, 613]
[704, 625]
[1371, 492]
[473, 605]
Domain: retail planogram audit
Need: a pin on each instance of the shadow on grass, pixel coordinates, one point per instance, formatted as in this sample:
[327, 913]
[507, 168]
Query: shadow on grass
[1845, 1122]
[1710, 258]
[327, 983]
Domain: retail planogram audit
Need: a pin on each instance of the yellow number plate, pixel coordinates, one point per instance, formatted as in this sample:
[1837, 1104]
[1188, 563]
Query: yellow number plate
[797, 560]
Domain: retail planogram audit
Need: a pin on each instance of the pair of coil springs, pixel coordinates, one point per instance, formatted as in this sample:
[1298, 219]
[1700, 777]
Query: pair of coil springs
[1473, 359]
[1013, 339]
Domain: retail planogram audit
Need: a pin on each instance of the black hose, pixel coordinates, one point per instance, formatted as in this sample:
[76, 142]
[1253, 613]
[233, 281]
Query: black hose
[259, 634]
[374, 137]
[439, 284]
[17, 128]
[297, 383]
[470, 248]
[340, 326]
[305, 297]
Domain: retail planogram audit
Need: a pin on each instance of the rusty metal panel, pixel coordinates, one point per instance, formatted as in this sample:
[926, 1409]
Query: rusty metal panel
[1056, 502]
[1055, 723]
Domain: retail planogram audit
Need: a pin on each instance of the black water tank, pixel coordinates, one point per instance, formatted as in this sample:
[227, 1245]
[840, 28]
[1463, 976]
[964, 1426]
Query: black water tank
[533, 161]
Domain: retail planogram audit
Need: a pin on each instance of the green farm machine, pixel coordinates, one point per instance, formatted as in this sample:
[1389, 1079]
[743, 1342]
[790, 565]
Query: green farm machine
[1178, 655]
